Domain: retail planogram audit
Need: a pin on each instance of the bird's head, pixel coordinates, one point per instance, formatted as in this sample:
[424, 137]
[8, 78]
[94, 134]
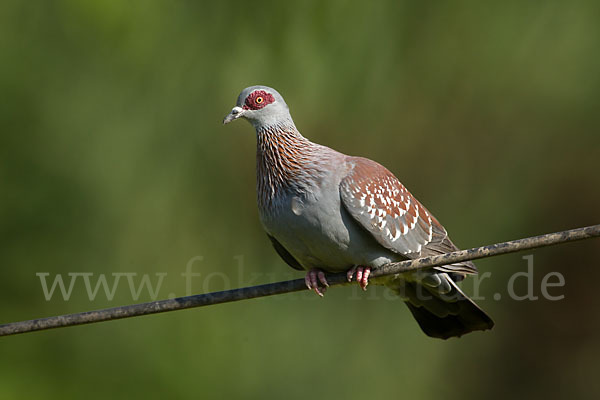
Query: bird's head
[262, 106]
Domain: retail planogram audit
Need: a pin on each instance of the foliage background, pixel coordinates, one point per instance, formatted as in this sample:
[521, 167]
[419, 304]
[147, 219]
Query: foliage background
[113, 159]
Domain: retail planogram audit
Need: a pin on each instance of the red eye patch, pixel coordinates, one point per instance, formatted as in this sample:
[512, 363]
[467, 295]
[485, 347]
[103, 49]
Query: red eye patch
[257, 100]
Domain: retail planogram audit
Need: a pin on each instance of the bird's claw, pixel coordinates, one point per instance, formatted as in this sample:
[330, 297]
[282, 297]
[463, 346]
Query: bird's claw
[362, 275]
[312, 280]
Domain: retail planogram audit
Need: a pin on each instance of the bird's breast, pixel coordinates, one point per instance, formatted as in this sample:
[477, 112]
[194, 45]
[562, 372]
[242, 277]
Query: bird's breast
[315, 228]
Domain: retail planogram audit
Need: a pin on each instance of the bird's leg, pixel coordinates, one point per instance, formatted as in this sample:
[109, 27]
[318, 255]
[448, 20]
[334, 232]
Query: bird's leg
[312, 279]
[362, 275]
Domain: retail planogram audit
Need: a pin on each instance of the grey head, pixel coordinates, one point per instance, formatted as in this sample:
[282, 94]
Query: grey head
[262, 106]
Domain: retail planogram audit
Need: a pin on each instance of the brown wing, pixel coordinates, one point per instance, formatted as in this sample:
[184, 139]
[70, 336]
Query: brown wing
[395, 218]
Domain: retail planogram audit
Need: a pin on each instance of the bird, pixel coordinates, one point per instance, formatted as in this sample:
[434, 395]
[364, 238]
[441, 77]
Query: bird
[325, 211]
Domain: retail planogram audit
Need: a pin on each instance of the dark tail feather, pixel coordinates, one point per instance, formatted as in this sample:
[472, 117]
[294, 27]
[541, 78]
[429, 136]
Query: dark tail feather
[451, 314]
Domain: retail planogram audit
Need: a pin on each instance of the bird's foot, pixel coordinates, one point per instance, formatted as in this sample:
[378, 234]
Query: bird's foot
[312, 279]
[362, 275]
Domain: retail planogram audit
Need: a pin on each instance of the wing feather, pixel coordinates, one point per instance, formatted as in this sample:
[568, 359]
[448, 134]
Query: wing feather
[395, 218]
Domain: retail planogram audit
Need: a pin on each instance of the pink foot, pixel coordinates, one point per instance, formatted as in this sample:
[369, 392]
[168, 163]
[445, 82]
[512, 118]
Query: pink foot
[362, 275]
[312, 279]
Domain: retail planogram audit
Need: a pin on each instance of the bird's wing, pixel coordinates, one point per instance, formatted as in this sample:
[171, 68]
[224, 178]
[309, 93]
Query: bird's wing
[395, 218]
[285, 255]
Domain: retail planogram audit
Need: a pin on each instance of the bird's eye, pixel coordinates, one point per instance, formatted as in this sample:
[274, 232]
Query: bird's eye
[259, 100]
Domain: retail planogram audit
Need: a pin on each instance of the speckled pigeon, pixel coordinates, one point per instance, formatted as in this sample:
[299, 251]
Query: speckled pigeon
[326, 211]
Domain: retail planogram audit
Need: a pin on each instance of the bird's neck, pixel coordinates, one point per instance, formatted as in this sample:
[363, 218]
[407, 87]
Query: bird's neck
[284, 160]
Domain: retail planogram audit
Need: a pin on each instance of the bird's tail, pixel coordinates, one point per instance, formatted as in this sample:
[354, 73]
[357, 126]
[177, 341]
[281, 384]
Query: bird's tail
[440, 307]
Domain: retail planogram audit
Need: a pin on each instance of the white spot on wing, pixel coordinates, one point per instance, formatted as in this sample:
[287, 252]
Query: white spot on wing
[430, 228]
[413, 223]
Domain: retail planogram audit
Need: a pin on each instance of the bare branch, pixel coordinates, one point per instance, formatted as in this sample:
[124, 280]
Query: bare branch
[296, 285]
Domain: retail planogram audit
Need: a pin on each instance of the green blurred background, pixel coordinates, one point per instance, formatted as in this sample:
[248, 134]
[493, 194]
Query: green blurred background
[113, 159]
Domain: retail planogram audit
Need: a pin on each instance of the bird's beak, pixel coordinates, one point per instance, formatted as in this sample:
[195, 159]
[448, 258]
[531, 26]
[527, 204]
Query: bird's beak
[233, 115]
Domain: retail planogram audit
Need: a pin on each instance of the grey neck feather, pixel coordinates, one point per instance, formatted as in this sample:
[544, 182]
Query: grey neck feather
[281, 120]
